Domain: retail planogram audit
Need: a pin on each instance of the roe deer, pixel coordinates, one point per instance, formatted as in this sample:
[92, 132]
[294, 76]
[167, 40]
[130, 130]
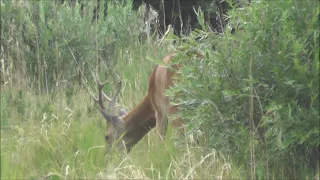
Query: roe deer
[152, 111]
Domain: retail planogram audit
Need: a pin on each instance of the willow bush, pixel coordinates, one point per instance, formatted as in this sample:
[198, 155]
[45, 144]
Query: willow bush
[255, 95]
[50, 43]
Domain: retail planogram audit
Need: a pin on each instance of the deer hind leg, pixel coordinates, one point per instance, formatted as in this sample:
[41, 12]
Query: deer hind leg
[162, 123]
[179, 126]
[160, 105]
[177, 123]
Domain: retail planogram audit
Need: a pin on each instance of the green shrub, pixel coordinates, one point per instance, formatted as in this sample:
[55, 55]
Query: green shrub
[53, 44]
[256, 92]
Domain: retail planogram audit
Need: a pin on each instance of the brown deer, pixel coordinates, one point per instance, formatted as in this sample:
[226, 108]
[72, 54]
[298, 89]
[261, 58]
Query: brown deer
[152, 111]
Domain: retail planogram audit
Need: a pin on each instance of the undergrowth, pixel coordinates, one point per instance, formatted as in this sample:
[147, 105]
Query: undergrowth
[251, 104]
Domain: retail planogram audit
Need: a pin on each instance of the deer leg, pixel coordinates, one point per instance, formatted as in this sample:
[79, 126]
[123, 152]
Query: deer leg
[179, 126]
[177, 123]
[162, 123]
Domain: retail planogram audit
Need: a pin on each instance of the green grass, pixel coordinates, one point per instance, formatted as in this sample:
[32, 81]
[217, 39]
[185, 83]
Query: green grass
[51, 129]
[60, 134]
[49, 137]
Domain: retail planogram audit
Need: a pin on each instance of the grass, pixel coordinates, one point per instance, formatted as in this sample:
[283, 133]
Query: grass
[51, 129]
[50, 137]
[59, 134]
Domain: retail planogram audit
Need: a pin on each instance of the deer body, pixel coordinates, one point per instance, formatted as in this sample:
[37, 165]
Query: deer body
[152, 111]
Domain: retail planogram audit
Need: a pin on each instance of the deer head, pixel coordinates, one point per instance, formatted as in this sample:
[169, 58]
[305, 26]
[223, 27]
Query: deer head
[116, 126]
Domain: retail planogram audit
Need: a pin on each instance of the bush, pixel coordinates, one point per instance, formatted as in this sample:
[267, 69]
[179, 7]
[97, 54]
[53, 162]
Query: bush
[256, 92]
[50, 43]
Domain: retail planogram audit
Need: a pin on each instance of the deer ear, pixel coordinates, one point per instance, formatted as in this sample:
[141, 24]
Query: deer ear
[123, 111]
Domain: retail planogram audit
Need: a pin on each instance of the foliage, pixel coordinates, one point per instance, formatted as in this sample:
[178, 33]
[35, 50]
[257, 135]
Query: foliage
[43, 39]
[256, 93]
[50, 129]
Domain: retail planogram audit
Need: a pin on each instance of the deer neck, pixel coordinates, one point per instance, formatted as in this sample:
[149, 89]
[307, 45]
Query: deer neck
[139, 122]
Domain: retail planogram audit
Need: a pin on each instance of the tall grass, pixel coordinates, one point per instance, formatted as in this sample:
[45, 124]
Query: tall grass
[254, 97]
[53, 137]
[50, 128]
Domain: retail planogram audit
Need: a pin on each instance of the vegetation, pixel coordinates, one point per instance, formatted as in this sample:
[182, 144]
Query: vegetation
[254, 97]
[256, 93]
